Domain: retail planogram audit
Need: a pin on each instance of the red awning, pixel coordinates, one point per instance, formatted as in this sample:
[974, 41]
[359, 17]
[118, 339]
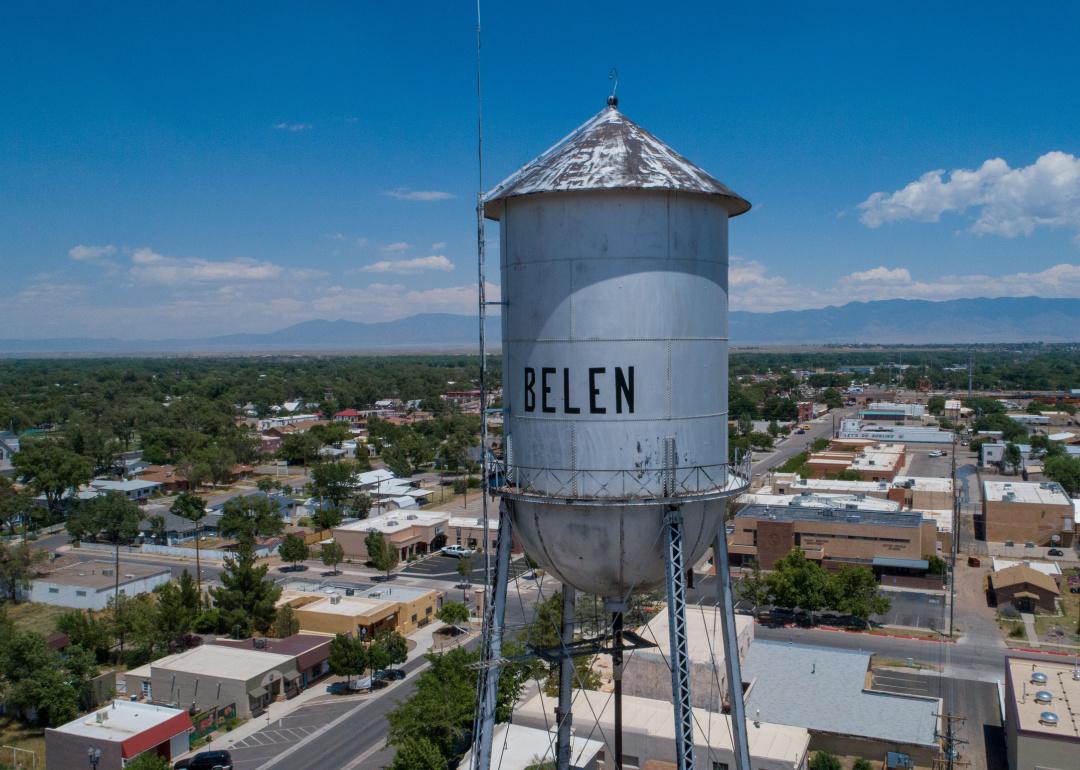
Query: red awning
[152, 736]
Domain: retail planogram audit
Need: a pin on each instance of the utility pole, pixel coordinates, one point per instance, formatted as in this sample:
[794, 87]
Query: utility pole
[955, 537]
[971, 374]
[950, 744]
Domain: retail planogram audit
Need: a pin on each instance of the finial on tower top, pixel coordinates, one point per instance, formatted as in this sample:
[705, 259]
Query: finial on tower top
[613, 100]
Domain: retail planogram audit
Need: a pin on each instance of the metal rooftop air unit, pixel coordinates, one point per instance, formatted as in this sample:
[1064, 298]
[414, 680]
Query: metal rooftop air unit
[1038, 677]
[1044, 696]
[1048, 718]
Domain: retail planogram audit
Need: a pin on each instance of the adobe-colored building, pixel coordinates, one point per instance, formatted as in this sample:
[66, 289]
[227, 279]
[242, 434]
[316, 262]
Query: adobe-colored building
[1027, 512]
[1041, 729]
[366, 612]
[1024, 588]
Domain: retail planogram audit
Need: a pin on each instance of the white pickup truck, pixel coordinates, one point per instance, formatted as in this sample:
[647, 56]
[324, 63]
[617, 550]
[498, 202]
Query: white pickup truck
[457, 551]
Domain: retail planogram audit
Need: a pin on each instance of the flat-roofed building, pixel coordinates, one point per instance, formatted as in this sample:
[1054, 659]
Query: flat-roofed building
[1042, 715]
[1024, 588]
[877, 462]
[415, 532]
[364, 612]
[214, 676]
[89, 585]
[889, 541]
[647, 674]
[1027, 512]
[137, 490]
[312, 652]
[901, 434]
[649, 732]
[121, 731]
[826, 690]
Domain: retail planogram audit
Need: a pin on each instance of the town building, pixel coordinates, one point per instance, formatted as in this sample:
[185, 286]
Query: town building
[893, 542]
[1042, 714]
[170, 479]
[647, 673]
[9, 447]
[828, 691]
[1027, 512]
[1024, 588]
[878, 462]
[311, 651]
[888, 411]
[364, 612]
[89, 585]
[899, 434]
[649, 732]
[993, 453]
[1049, 568]
[138, 490]
[415, 532]
[121, 731]
[212, 676]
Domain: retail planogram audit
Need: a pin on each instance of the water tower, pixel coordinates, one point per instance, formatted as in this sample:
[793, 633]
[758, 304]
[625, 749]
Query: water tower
[614, 267]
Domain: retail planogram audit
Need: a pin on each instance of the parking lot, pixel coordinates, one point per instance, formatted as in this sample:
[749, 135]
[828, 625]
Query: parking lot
[258, 748]
[446, 568]
[920, 463]
[913, 609]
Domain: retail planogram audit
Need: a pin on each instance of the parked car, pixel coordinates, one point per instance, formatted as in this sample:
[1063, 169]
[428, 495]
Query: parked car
[206, 760]
[458, 551]
[935, 453]
[1074, 589]
[1055, 552]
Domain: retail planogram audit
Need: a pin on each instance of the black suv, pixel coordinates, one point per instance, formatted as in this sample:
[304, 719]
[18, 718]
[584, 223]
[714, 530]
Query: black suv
[206, 760]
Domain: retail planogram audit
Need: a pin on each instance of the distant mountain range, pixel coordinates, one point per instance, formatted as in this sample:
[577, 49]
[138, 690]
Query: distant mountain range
[1006, 319]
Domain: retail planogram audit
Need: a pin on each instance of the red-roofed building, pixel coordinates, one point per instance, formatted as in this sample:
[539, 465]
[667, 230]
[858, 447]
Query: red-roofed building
[347, 415]
[121, 731]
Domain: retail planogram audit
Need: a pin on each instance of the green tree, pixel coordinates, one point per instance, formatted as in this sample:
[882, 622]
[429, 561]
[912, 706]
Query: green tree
[190, 596]
[294, 550]
[1012, 458]
[327, 518]
[50, 470]
[418, 754]
[18, 564]
[89, 630]
[193, 508]
[17, 508]
[861, 763]
[453, 614]
[331, 432]
[936, 565]
[332, 555]
[465, 569]
[157, 529]
[854, 591]
[1065, 470]
[394, 649]
[297, 448]
[382, 553]
[359, 505]
[348, 657]
[398, 462]
[798, 582]
[832, 398]
[823, 760]
[819, 445]
[753, 588]
[245, 601]
[249, 517]
[935, 405]
[333, 482]
[285, 623]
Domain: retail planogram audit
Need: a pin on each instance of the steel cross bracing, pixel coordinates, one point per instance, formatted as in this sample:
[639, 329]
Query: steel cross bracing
[491, 647]
[680, 660]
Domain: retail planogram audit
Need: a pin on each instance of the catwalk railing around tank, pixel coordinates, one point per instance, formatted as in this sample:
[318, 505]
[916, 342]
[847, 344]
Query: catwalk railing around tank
[638, 486]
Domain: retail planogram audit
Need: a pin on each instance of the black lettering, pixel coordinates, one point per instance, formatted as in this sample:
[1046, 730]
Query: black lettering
[595, 391]
[624, 387]
[567, 409]
[545, 389]
[530, 394]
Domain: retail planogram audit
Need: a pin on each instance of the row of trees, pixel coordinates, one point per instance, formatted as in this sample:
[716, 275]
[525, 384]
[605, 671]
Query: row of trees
[796, 582]
[352, 656]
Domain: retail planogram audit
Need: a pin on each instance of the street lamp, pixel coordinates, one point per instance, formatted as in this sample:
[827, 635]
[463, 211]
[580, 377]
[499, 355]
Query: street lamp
[94, 755]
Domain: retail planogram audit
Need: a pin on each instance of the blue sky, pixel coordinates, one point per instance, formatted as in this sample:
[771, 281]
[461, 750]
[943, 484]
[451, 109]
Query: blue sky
[202, 170]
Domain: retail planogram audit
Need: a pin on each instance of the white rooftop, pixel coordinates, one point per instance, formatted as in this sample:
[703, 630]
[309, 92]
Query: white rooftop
[213, 660]
[398, 521]
[518, 747]
[122, 720]
[704, 637]
[1046, 567]
[473, 522]
[132, 485]
[1044, 492]
[823, 500]
[925, 483]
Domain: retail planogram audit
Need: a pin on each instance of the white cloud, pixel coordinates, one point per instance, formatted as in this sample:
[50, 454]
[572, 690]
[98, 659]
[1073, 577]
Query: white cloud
[415, 265]
[335, 236]
[152, 267]
[753, 288]
[397, 246]
[1007, 201]
[439, 246]
[83, 253]
[405, 194]
[386, 302]
[293, 128]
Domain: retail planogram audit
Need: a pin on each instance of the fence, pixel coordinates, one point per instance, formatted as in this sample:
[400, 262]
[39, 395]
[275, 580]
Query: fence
[175, 550]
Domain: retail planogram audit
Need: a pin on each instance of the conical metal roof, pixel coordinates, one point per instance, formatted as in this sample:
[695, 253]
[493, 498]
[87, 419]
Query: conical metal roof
[610, 152]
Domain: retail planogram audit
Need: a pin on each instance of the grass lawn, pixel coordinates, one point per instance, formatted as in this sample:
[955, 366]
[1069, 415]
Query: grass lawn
[35, 617]
[15, 733]
[1070, 604]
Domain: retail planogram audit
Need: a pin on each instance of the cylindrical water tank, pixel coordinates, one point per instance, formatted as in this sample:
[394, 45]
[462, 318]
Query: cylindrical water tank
[614, 268]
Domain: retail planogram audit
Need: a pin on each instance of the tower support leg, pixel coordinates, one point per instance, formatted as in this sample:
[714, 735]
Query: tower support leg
[733, 667]
[563, 715]
[491, 646]
[680, 663]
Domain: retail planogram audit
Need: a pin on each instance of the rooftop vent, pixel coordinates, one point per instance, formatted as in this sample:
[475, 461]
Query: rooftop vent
[335, 599]
[1048, 718]
[1044, 696]
[412, 517]
[1038, 677]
